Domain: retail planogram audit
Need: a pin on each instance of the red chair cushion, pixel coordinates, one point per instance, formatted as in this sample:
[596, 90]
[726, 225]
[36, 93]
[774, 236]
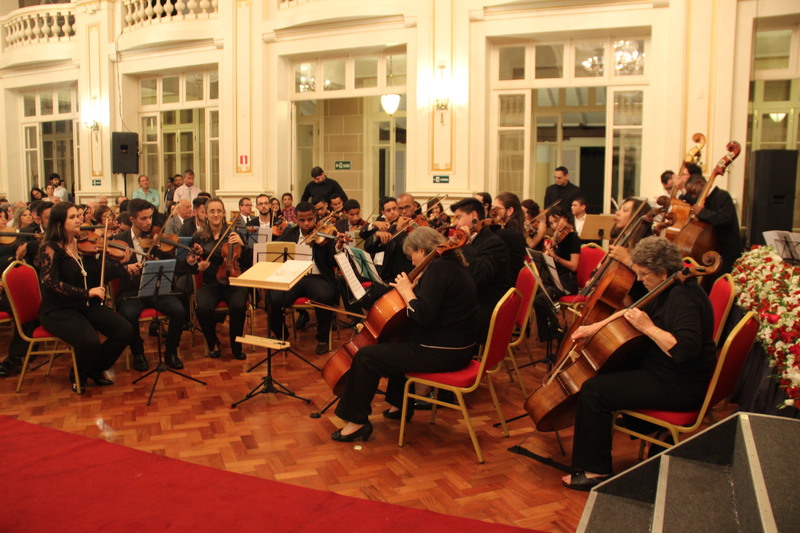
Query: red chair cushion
[221, 305]
[676, 418]
[151, 313]
[4, 316]
[460, 378]
[41, 333]
[366, 284]
[572, 299]
[302, 301]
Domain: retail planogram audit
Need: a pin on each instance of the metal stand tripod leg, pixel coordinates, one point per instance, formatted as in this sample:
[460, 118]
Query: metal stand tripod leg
[268, 384]
[318, 414]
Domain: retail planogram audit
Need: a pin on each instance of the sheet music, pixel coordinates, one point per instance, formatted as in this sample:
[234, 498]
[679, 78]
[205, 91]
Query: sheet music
[786, 243]
[378, 259]
[551, 267]
[349, 275]
[365, 265]
[289, 271]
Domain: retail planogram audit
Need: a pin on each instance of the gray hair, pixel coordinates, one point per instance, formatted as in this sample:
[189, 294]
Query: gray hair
[657, 254]
[424, 238]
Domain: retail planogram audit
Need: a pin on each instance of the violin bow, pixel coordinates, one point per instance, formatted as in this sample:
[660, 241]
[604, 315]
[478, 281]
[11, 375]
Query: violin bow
[103, 261]
[221, 238]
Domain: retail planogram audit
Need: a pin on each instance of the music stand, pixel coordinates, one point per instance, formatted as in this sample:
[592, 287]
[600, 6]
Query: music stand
[156, 281]
[554, 331]
[597, 228]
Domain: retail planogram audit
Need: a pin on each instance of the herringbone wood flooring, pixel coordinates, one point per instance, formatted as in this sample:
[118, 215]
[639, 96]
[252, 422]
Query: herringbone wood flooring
[273, 437]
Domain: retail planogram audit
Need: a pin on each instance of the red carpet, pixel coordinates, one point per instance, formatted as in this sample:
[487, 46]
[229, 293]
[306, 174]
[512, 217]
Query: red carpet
[56, 481]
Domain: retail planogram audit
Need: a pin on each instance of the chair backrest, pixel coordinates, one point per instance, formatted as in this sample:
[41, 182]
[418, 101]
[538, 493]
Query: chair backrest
[722, 295]
[21, 283]
[197, 282]
[500, 329]
[591, 256]
[526, 285]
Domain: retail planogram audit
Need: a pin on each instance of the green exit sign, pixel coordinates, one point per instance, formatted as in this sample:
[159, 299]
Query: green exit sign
[96, 183]
[441, 179]
[342, 165]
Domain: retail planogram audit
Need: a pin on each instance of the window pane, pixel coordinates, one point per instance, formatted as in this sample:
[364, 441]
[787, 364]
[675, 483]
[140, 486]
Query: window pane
[546, 97]
[150, 130]
[549, 61]
[629, 58]
[64, 100]
[628, 108]
[396, 70]
[30, 137]
[305, 78]
[512, 110]
[577, 96]
[774, 128]
[170, 89]
[511, 161]
[366, 72]
[512, 63]
[194, 87]
[214, 124]
[149, 94]
[213, 85]
[29, 104]
[589, 59]
[626, 163]
[546, 129]
[334, 75]
[772, 49]
[307, 108]
[777, 90]
[46, 103]
[168, 118]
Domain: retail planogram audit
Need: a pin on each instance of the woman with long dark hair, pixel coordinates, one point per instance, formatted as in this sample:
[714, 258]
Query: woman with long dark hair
[72, 298]
[36, 194]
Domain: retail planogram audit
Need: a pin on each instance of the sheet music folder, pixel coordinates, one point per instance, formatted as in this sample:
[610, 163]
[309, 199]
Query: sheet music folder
[275, 276]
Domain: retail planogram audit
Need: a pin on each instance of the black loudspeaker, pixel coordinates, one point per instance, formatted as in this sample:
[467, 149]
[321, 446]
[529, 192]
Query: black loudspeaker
[124, 152]
[771, 190]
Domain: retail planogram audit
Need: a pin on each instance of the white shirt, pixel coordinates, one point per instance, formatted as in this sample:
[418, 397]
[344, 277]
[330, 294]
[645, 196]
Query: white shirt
[579, 224]
[184, 191]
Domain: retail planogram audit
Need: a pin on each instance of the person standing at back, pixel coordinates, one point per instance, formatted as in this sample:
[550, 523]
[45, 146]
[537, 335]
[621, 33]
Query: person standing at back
[321, 186]
[188, 190]
[144, 192]
[562, 190]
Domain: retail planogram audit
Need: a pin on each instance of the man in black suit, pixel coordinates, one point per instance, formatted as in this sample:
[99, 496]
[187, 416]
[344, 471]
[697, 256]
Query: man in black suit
[562, 190]
[190, 225]
[319, 285]
[383, 243]
[130, 307]
[488, 260]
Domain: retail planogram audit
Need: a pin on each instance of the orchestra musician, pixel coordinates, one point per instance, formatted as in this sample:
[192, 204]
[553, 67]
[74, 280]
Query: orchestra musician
[441, 306]
[352, 221]
[382, 244]
[507, 212]
[72, 298]
[535, 230]
[319, 285]
[205, 240]
[129, 306]
[14, 250]
[672, 372]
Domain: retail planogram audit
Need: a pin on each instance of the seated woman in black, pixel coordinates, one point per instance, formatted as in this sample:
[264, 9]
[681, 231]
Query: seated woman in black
[441, 309]
[672, 373]
[630, 208]
[72, 298]
[565, 249]
[212, 292]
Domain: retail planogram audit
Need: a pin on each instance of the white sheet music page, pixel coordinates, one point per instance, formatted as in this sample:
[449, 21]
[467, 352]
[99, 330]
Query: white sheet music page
[289, 271]
[350, 275]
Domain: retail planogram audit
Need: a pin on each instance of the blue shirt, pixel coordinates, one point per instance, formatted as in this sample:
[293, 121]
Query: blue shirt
[151, 196]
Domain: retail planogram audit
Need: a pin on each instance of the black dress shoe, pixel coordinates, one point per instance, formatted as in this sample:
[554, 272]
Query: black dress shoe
[172, 359]
[99, 379]
[322, 347]
[581, 482]
[302, 321]
[214, 354]
[76, 388]
[140, 362]
[7, 369]
[395, 415]
[363, 433]
[239, 356]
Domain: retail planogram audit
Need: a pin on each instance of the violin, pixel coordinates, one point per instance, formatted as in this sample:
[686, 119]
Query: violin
[230, 266]
[277, 229]
[90, 243]
[324, 229]
[612, 348]
[9, 235]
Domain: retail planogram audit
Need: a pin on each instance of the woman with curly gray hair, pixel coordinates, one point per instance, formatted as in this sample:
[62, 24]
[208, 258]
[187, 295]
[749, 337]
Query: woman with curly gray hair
[672, 372]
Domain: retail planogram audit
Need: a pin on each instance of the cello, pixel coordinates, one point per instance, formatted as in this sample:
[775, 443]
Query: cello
[678, 213]
[613, 347]
[698, 237]
[386, 319]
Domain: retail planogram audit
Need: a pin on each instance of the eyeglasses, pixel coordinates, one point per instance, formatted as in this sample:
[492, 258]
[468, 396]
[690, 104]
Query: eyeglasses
[641, 274]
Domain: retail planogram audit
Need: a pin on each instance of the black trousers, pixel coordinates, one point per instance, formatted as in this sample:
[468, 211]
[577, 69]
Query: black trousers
[315, 287]
[392, 360]
[208, 296]
[18, 347]
[601, 395]
[79, 328]
[131, 308]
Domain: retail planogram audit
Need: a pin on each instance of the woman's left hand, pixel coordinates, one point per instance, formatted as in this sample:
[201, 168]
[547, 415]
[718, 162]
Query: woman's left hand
[639, 319]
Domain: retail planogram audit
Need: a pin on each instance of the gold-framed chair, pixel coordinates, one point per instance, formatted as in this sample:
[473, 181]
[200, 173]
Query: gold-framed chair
[467, 379]
[21, 283]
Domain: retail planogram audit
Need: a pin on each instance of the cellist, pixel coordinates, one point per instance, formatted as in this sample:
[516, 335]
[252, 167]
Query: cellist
[672, 372]
[441, 305]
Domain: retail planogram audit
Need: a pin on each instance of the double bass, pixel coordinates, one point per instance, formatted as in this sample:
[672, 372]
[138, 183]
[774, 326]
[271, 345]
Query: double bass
[614, 347]
[679, 210]
[386, 319]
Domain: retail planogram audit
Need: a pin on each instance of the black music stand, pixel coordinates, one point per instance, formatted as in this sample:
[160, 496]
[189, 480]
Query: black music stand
[268, 383]
[152, 287]
[553, 333]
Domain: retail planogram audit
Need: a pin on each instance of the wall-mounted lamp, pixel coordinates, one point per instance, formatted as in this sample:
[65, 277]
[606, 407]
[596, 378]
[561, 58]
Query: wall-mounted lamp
[93, 125]
[440, 99]
[390, 103]
[91, 115]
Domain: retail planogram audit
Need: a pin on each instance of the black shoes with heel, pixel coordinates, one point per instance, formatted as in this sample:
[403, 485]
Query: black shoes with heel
[362, 433]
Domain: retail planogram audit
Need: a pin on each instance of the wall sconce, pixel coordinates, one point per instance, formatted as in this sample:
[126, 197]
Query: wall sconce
[91, 115]
[440, 99]
[390, 103]
[93, 125]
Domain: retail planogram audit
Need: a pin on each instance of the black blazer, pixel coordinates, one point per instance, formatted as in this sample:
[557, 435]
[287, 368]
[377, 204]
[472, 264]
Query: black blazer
[321, 254]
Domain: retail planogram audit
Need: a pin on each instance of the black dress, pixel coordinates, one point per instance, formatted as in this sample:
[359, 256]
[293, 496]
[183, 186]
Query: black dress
[441, 338]
[677, 382]
[68, 313]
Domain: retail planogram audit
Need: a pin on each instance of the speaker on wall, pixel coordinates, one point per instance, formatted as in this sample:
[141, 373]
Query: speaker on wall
[771, 190]
[124, 152]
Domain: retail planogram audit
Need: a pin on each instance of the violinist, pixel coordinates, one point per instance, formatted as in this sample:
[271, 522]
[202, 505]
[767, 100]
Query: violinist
[129, 306]
[383, 243]
[263, 222]
[672, 372]
[487, 259]
[507, 212]
[72, 298]
[720, 212]
[352, 221]
[319, 285]
[321, 208]
[441, 308]
[436, 215]
[564, 248]
[194, 223]
[629, 208]
[336, 201]
[245, 212]
[207, 239]
[535, 226]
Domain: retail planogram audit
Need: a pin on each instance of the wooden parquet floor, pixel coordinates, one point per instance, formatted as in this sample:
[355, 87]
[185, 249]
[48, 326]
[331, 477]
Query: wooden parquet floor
[273, 437]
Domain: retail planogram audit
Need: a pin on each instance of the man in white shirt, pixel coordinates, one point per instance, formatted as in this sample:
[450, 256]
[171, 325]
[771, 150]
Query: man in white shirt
[579, 212]
[146, 193]
[188, 190]
[59, 191]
